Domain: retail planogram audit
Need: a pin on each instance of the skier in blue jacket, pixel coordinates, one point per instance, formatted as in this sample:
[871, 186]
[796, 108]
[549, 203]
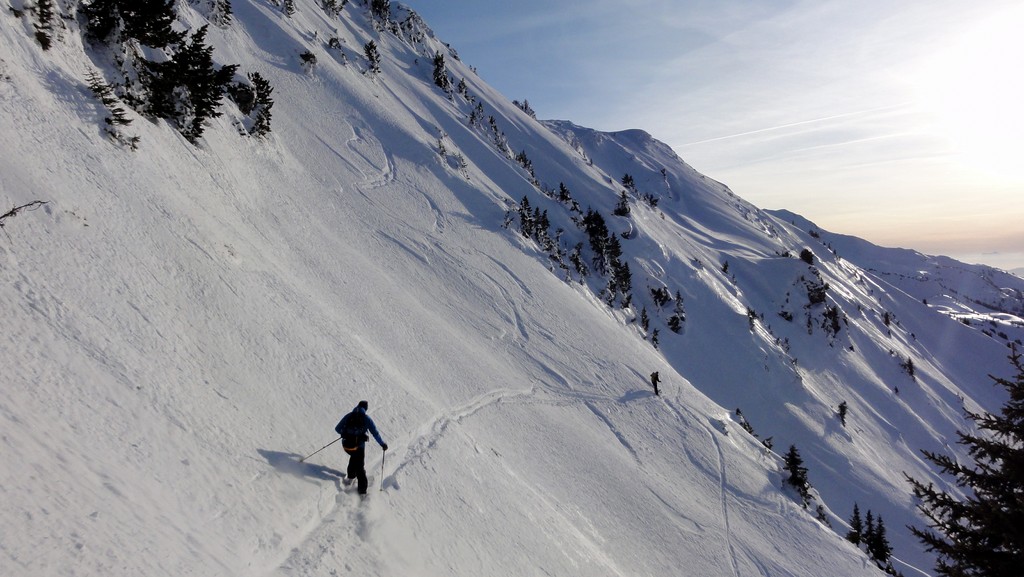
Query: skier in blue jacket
[352, 428]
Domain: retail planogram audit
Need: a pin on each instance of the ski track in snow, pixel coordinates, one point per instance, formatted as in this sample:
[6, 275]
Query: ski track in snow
[724, 484]
[432, 432]
[320, 537]
[723, 480]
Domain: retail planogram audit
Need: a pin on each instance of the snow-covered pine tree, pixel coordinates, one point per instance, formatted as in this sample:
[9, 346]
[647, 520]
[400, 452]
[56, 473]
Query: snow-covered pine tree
[441, 74]
[188, 88]
[263, 89]
[149, 23]
[372, 57]
[44, 23]
[622, 208]
[381, 10]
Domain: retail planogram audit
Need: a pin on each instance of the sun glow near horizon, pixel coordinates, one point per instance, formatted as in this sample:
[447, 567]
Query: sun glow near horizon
[975, 91]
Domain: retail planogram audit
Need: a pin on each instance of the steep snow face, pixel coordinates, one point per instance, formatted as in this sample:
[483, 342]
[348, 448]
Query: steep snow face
[185, 322]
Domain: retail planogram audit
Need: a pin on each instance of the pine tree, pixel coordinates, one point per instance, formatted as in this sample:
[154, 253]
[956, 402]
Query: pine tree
[855, 534]
[263, 89]
[525, 218]
[563, 193]
[146, 21]
[675, 322]
[629, 183]
[597, 233]
[869, 528]
[149, 22]
[381, 9]
[622, 208]
[843, 409]
[188, 88]
[221, 13]
[877, 544]
[44, 24]
[372, 56]
[797, 475]
[807, 256]
[102, 17]
[983, 534]
[576, 258]
[441, 74]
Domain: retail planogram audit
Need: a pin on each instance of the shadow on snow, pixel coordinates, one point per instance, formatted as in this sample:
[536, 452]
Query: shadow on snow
[291, 464]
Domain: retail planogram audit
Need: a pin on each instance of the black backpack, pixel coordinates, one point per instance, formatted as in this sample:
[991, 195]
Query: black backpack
[352, 427]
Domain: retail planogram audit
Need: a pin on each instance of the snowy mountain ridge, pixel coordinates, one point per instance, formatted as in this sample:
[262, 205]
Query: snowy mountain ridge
[187, 320]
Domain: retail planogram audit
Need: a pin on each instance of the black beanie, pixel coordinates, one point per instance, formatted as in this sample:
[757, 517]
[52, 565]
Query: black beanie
[364, 405]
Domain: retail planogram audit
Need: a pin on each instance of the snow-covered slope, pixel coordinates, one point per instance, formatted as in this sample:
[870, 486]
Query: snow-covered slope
[184, 322]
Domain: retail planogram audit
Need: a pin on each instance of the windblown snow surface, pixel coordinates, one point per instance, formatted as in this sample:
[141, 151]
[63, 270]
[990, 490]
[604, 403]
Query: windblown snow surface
[183, 323]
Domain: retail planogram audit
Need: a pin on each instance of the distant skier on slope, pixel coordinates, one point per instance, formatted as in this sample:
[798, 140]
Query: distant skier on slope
[655, 379]
[352, 428]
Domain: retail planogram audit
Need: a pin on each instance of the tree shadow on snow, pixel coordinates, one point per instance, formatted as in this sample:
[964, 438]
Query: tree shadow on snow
[291, 464]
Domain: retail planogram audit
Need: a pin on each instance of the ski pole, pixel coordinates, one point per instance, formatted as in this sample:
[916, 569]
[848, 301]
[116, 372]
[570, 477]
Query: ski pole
[320, 449]
[382, 469]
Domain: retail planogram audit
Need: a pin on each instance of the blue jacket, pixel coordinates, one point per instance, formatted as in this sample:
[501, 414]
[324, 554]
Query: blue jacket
[369, 425]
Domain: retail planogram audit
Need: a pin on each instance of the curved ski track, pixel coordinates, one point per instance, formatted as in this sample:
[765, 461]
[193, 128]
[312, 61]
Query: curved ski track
[319, 538]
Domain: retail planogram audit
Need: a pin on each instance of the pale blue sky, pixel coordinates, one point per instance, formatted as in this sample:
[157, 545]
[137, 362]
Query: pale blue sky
[899, 122]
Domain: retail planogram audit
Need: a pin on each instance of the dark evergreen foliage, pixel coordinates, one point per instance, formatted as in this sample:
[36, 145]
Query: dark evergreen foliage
[597, 233]
[675, 322]
[622, 208]
[831, 320]
[525, 107]
[527, 164]
[221, 13]
[856, 532]
[629, 183]
[44, 23]
[660, 296]
[253, 100]
[563, 193]
[150, 22]
[797, 475]
[807, 256]
[441, 74]
[908, 366]
[188, 88]
[372, 56]
[381, 9]
[877, 544]
[744, 423]
[101, 17]
[982, 535]
[817, 292]
[578, 263]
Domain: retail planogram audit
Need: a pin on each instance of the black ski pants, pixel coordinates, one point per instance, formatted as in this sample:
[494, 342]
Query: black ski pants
[357, 465]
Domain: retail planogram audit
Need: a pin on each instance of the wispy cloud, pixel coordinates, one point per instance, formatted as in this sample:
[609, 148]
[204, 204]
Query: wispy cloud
[800, 123]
